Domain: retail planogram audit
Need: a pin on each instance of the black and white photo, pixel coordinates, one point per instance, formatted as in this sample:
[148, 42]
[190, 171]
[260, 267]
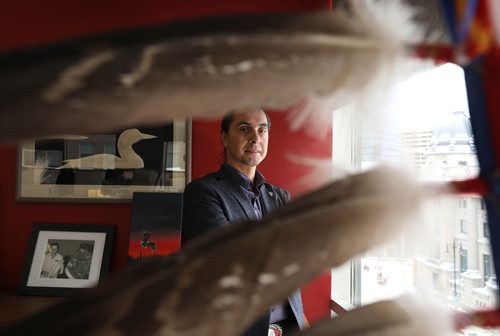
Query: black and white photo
[64, 257]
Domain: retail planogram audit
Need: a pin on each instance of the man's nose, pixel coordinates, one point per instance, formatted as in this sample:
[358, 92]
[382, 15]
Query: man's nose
[254, 137]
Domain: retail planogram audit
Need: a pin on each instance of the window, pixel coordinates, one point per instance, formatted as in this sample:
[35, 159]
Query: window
[435, 281]
[463, 226]
[462, 203]
[463, 260]
[486, 230]
[452, 258]
[487, 266]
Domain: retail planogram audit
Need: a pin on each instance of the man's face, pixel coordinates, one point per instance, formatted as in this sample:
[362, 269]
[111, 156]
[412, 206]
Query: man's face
[247, 138]
[54, 249]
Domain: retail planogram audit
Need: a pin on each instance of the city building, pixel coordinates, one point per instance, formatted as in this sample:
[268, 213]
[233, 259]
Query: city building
[458, 263]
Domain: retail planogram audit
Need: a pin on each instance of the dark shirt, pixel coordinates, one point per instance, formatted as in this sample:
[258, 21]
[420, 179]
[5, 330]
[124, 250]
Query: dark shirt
[251, 188]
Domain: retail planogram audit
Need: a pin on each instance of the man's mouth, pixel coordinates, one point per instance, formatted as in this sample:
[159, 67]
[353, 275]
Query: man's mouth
[252, 151]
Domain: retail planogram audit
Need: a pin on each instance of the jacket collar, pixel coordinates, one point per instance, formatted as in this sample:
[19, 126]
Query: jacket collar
[268, 197]
[234, 182]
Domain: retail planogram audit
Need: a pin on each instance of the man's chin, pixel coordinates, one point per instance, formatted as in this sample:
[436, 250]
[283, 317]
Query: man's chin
[252, 163]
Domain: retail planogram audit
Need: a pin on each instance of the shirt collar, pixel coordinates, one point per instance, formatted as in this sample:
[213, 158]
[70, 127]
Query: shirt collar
[243, 180]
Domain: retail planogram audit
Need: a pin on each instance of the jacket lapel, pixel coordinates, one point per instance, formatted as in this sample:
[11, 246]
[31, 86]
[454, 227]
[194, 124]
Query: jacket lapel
[268, 199]
[225, 178]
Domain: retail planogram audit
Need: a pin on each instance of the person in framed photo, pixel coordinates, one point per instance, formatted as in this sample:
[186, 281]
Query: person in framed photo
[78, 266]
[53, 262]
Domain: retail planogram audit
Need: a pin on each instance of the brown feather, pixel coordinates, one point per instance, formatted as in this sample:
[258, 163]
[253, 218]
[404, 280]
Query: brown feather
[200, 68]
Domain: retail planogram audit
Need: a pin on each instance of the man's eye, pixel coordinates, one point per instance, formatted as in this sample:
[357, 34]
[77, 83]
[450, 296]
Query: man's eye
[263, 130]
[243, 129]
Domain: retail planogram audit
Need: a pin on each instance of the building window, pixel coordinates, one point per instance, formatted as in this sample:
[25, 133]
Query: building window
[435, 281]
[463, 260]
[486, 230]
[462, 163]
[486, 266]
[463, 226]
[462, 203]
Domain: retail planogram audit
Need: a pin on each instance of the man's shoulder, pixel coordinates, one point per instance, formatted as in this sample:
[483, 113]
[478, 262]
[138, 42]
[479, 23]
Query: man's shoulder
[202, 184]
[211, 178]
[205, 179]
[274, 186]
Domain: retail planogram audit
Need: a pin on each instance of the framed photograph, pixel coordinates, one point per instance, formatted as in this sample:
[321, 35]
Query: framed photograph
[105, 167]
[63, 258]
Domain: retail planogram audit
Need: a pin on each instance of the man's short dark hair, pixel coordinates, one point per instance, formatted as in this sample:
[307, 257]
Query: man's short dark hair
[87, 247]
[229, 116]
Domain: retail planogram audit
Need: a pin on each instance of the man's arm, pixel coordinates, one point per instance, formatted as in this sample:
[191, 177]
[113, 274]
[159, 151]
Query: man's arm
[202, 211]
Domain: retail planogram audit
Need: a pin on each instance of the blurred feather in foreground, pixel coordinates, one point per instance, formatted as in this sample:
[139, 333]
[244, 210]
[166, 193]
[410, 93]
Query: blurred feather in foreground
[312, 62]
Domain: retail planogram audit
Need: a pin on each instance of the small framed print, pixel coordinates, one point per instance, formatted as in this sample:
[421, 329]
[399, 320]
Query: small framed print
[63, 258]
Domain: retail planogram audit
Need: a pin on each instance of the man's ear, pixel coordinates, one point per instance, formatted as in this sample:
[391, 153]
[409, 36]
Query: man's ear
[223, 138]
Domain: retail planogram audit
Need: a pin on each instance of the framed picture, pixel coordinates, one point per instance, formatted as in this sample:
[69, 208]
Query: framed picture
[156, 225]
[63, 258]
[105, 167]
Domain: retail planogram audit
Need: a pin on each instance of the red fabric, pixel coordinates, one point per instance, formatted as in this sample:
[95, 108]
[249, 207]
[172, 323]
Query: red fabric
[480, 37]
[439, 52]
[472, 186]
[487, 318]
[483, 319]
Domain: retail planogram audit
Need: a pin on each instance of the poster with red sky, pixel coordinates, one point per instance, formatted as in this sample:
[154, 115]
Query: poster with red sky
[156, 225]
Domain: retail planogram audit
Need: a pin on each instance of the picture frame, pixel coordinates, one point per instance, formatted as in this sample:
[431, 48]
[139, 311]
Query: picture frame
[155, 228]
[105, 167]
[65, 258]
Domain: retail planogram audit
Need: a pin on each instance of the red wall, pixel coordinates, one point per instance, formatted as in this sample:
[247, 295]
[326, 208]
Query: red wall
[30, 22]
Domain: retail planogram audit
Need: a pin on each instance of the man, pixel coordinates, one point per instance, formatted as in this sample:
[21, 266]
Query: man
[237, 191]
[53, 263]
[79, 265]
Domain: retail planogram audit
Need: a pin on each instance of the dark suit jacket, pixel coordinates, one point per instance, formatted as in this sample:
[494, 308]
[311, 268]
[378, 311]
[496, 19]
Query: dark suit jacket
[215, 201]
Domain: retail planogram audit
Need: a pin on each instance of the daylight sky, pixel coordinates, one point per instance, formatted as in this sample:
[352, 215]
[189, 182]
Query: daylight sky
[428, 97]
